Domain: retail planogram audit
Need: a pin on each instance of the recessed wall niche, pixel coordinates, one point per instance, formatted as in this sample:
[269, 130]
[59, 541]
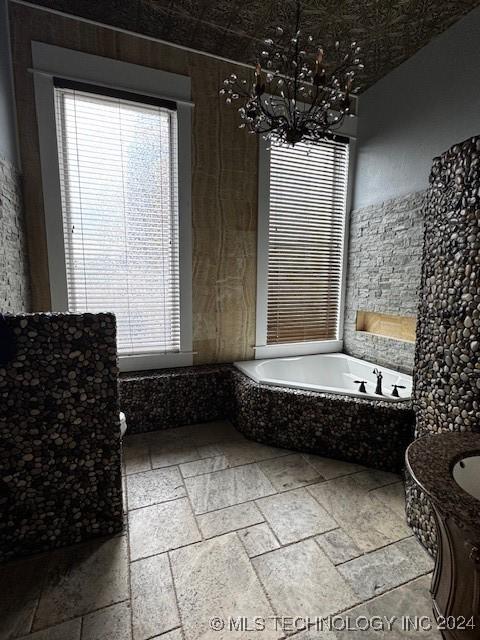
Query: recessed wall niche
[387, 325]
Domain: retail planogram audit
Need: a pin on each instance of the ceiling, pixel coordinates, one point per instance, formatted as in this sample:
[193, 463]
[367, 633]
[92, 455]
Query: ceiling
[389, 31]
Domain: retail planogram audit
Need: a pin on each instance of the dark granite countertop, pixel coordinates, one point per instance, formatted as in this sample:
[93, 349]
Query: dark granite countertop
[431, 460]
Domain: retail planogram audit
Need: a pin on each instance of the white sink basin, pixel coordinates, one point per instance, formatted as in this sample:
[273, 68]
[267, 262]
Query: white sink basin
[466, 474]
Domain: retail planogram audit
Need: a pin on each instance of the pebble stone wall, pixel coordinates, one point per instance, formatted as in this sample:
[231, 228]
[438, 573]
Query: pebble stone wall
[14, 276]
[384, 267]
[60, 471]
[447, 366]
[367, 432]
[168, 398]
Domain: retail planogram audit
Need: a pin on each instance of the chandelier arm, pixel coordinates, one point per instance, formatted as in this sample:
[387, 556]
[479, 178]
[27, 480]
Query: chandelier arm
[294, 72]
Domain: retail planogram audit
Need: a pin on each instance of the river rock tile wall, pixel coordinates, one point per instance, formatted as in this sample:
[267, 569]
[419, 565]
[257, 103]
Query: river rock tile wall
[60, 471]
[153, 400]
[371, 433]
[447, 366]
[14, 277]
[384, 267]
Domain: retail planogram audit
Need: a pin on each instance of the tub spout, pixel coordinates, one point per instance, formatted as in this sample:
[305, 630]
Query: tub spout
[378, 389]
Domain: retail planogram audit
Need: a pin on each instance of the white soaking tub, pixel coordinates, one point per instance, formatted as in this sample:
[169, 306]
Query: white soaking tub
[329, 373]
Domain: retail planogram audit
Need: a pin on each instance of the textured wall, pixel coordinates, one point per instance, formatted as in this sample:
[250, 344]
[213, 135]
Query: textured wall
[14, 276]
[384, 265]
[414, 113]
[224, 187]
[60, 473]
[175, 397]
[447, 364]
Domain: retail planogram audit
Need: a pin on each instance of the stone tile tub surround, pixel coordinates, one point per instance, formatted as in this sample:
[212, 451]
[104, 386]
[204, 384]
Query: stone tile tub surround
[446, 380]
[371, 433]
[348, 547]
[384, 269]
[59, 433]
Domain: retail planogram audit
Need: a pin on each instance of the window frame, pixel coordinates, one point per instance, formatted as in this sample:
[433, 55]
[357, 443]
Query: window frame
[49, 62]
[261, 348]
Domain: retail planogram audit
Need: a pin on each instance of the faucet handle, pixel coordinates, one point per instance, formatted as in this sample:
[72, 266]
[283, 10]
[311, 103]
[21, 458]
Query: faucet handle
[396, 387]
[362, 384]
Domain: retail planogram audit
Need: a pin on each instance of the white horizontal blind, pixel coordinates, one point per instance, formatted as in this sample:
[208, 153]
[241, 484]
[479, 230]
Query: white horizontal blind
[118, 174]
[308, 191]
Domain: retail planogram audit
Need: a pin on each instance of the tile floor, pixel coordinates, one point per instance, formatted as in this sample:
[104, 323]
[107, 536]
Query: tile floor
[221, 526]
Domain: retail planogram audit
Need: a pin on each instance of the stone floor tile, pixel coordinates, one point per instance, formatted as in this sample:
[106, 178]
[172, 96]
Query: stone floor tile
[214, 432]
[154, 605]
[301, 581]
[338, 546]
[172, 453]
[206, 465]
[161, 527]
[295, 515]
[155, 486]
[381, 570]
[20, 586]
[69, 630]
[240, 452]
[224, 488]
[216, 523]
[210, 450]
[319, 631]
[366, 519]
[330, 468]
[83, 578]
[289, 472]
[393, 496]
[112, 623]
[411, 600]
[136, 454]
[215, 578]
[258, 539]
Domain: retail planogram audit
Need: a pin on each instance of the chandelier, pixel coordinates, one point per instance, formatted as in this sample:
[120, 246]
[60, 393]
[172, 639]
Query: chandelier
[297, 93]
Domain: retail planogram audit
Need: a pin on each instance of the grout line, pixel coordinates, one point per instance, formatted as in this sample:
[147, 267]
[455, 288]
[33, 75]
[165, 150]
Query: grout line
[153, 504]
[199, 529]
[164, 633]
[169, 559]
[262, 586]
[75, 617]
[129, 559]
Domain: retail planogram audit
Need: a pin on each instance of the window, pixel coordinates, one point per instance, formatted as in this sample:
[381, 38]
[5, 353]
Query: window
[116, 177]
[301, 241]
[119, 187]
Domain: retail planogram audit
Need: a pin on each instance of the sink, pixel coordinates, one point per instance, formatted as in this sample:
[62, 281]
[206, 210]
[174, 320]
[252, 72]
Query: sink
[466, 473]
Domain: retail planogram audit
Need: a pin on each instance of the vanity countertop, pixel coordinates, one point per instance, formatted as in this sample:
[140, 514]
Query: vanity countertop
[431, 460]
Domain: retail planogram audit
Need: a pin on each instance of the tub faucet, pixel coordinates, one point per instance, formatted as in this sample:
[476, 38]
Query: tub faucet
[379, 375]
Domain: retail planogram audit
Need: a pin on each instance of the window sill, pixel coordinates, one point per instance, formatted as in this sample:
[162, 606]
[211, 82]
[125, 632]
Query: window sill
[297, 349]
[144, 362]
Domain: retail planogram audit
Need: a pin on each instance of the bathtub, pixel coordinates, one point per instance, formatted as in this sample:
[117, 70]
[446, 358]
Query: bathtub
[329, 373]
